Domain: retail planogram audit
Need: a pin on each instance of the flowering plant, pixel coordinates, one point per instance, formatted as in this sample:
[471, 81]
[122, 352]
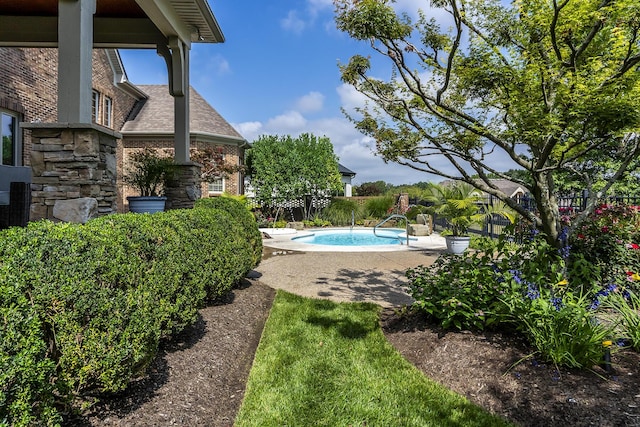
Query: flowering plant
[608, 242]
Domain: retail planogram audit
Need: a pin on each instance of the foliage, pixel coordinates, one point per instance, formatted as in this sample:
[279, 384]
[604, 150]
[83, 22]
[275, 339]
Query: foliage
[316, 222]
[414, 211]
[546, 87]
[378, 207]
[340, 211]
[461, 206]
[328, 364]
[559, 324]
[285, 169]
[214, 164]
[607, 244]
[459, 292]
[627, 306]
[525, 288]
[86, 305]
[377, 188]
[149, 172]
[244, 225]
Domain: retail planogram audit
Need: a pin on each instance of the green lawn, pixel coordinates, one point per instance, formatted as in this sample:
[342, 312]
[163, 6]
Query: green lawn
[325, 364]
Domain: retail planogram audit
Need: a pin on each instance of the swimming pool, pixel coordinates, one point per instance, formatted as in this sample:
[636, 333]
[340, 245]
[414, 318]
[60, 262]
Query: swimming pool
[348, 237]
[288, 239]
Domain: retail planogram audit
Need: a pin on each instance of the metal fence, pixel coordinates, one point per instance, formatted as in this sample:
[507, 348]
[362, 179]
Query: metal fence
[495, 225]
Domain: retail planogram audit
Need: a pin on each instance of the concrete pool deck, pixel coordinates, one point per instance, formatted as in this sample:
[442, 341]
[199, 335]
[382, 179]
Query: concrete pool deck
[359, 275]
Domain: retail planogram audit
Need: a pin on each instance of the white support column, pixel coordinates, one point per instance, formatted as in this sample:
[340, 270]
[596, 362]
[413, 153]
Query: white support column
[75, 45]
[180, 80]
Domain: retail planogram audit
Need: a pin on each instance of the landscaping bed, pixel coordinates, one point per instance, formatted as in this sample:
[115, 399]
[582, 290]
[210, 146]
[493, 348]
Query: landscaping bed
[198, 379]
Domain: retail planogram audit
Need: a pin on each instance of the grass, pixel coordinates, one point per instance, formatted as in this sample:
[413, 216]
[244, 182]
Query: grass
[321, 363]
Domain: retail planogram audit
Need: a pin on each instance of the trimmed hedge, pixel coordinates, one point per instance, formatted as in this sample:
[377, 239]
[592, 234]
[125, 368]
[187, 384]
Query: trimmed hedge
[84, 306]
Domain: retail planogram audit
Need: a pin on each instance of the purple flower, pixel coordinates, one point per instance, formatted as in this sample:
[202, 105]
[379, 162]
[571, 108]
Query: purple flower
[532, 291]
[557, 303]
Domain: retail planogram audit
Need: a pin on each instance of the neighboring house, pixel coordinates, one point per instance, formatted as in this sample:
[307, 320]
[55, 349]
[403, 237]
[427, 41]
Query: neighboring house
[347, 176]
[510, 188]
[142, 114]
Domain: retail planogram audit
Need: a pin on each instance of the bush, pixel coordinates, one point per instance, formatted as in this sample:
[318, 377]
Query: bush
[243, 220]
[461, 292]
[608, 243]
[339, 212]
[379, 207]
[525, 289]
[86, 305]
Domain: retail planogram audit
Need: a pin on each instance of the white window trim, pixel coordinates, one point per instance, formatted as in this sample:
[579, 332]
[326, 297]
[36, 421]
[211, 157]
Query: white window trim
[108, 112]
[210, 184]
[96, 107]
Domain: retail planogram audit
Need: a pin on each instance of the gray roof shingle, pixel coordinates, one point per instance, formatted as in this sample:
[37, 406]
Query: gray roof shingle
[156, 115]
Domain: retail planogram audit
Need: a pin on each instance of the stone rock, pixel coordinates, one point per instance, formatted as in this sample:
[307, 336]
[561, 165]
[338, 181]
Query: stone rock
[76, 210]
[419, 230]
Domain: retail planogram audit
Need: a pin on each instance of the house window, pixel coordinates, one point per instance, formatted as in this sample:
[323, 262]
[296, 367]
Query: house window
[10, 140]
[108, 107]
[216, 186]
[95, 106]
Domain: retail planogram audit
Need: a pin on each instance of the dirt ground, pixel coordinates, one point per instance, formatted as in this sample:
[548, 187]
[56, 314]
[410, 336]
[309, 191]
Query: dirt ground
[198, 379]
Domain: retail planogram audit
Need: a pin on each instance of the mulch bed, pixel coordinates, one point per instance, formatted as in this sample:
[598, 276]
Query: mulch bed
[198, 379]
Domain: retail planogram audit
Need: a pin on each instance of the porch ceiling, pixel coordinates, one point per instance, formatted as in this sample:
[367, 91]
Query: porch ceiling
[117, 23]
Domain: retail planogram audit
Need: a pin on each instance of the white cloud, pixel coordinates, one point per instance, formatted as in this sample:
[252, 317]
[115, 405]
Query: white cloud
[350, 98]
[289, 122]
[311, 102]
[249, 130]
[293, 23]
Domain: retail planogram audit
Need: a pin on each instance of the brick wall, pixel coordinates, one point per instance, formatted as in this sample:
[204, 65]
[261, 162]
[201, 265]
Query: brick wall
[233, 154]
[29, 86]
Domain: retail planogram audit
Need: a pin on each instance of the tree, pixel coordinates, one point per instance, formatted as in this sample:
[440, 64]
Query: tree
[282, 168]
[377, 188]
[550, 85]
[214, 164]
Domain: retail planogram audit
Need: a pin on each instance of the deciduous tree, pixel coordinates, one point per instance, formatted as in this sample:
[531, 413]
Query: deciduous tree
[545, 86]
[282, 168]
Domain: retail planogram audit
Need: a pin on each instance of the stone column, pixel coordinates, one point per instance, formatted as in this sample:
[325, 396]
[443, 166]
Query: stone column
[72, 161]
[185, 189]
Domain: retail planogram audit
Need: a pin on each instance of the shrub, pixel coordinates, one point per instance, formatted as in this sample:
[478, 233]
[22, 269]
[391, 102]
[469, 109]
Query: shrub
[26, 390]
[525, 289]
[461, 292]
[243, 220]
[340, 211]
[86, 305]
[379, 207]
[607, 242]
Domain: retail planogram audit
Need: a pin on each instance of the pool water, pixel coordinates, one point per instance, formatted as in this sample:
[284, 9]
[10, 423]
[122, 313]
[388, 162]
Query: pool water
[354, 237]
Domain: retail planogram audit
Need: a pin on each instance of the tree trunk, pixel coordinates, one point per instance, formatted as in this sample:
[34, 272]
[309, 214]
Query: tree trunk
[547, 205]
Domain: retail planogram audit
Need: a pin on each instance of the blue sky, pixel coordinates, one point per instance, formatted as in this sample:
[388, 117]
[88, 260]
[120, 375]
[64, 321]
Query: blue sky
[277, 73]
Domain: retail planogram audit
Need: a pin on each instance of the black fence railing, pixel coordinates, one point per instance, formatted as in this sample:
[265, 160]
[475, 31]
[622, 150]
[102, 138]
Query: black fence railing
[495, 225]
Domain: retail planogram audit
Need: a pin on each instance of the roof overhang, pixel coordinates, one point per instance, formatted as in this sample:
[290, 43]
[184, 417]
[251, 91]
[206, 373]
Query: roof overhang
[117, 23]
[198, 136]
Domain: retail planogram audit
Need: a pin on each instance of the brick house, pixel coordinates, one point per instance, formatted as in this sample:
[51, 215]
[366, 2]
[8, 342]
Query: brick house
[142, 115]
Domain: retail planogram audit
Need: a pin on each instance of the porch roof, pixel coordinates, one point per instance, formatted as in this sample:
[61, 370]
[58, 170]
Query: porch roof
[117, 23]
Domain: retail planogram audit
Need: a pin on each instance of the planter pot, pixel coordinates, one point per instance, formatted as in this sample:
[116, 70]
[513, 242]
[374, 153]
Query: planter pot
[146, 204]
[457, 244]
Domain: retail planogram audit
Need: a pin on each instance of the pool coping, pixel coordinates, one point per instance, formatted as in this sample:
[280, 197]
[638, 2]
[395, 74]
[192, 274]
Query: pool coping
[281, 238]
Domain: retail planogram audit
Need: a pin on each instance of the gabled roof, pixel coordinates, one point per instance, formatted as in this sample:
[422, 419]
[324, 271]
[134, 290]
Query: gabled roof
[509, 188]
[345, 171]
[155, 117]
